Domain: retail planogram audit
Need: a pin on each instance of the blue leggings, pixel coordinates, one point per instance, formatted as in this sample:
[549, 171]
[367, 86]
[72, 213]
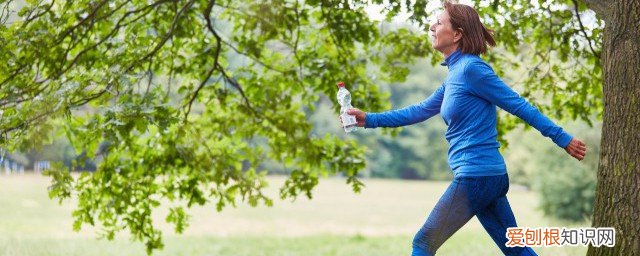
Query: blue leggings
[482, 196]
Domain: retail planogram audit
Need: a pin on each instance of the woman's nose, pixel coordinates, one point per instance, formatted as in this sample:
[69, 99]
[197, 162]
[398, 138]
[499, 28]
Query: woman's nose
[432, 28]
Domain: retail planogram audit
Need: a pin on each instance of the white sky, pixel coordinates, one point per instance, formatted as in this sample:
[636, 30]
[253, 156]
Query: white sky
[374, 11]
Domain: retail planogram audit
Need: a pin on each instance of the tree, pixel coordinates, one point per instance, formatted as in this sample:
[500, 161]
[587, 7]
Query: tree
[619, 170]
[193, 94]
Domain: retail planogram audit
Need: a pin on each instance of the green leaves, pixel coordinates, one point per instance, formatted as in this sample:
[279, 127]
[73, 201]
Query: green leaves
[178, 216]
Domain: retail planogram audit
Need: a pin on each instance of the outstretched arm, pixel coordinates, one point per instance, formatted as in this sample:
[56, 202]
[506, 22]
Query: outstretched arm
[485, 83]
[405, 116]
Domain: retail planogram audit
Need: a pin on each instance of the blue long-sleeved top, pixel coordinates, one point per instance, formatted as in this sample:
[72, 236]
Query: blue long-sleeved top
[467, 101]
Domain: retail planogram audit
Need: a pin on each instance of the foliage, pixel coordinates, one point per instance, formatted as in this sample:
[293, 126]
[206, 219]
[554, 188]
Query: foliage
[110, 70]
[570, 194]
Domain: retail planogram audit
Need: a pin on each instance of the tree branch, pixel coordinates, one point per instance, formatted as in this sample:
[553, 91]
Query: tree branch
[38, 15]
[23, 124]
[15, 73]
[87, 49]
[255, 59]
[216, 64]
[295, 45]
[147, 56]
[207, 17]
[342, 53]
[195, 94]
[119, 24]
[267, 66]
[584, 32]
[5, 13]
[166, 37]
[90, 16]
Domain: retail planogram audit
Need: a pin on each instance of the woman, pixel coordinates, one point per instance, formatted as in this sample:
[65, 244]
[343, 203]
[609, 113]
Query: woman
[467, 101]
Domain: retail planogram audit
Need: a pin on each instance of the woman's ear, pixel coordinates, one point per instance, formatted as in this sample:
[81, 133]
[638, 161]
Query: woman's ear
[457, 35]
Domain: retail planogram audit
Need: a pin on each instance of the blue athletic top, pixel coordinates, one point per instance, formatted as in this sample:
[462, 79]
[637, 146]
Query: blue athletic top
[467, 101]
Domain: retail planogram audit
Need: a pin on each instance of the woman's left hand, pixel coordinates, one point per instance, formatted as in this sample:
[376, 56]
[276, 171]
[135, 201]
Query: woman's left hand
[577, 149]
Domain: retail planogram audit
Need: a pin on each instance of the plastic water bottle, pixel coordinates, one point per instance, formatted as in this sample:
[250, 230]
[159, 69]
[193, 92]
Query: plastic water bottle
[344, 99]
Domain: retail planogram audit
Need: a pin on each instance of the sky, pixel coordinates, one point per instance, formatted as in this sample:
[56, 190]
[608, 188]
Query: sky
[374, 11]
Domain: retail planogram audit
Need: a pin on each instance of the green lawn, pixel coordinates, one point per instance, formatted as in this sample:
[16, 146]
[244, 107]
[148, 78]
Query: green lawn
[379, 221]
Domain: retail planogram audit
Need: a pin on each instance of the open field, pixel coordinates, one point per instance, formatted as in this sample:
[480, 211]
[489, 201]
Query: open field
[379, 221]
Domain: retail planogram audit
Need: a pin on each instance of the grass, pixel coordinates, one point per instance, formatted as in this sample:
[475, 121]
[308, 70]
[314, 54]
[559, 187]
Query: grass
[380, 221]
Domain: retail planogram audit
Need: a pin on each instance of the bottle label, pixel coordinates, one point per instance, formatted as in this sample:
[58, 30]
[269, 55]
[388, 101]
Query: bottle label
[348, 120]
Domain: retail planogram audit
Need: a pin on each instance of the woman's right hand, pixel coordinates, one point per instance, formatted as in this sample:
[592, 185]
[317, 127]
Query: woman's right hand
[577, 149]
[359, 114]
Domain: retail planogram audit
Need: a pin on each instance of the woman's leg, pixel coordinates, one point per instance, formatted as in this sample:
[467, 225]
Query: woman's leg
[496, 218]
[450, 213]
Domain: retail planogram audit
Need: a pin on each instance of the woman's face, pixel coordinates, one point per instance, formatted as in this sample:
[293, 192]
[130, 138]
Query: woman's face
[444, 37]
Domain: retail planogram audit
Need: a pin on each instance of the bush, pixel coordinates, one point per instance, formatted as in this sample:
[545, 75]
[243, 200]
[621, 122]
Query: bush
[568, 192]
[566, 187]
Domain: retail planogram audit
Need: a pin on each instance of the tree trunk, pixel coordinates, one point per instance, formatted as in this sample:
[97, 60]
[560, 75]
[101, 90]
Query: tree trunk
[617, 202]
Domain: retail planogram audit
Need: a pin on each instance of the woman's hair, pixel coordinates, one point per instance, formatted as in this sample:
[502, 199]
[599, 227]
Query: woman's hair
[475, 36]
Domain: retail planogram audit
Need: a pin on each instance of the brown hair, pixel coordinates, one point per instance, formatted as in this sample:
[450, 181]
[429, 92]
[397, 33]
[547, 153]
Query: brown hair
[475, 36]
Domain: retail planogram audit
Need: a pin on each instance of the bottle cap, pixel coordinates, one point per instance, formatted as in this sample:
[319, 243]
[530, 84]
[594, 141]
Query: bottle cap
[340, 84]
